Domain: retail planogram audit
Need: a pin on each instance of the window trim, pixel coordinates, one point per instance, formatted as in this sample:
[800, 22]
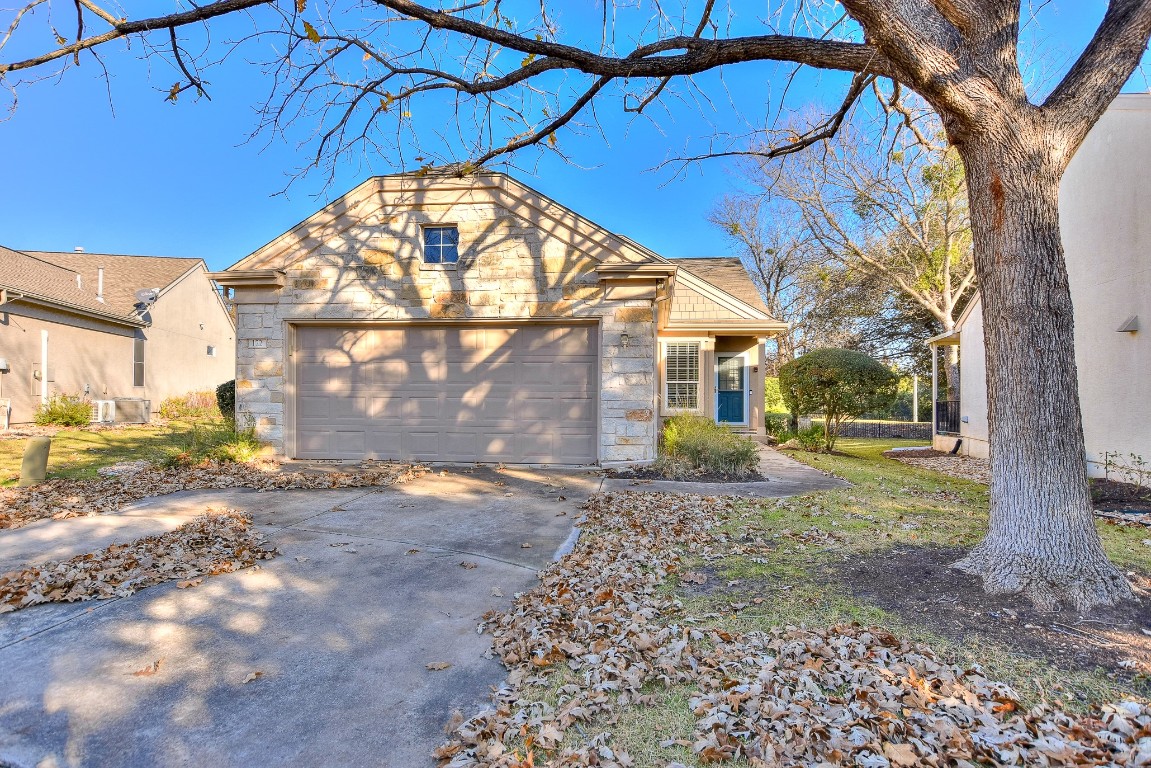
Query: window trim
[667, 407]
[139, 359]
[424, 263]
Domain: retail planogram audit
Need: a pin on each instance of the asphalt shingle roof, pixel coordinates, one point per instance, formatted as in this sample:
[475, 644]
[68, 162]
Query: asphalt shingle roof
[71, 278]
[728, 274]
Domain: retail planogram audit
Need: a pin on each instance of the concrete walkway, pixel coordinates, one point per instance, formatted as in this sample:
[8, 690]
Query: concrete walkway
[784, 477]
[368, 591]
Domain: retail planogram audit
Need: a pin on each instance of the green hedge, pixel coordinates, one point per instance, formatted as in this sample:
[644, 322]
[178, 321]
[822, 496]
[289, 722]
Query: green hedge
[64, 411]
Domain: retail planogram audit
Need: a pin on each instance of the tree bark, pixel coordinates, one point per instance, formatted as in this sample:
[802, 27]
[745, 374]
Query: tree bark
[1042, 539]
[951, 371]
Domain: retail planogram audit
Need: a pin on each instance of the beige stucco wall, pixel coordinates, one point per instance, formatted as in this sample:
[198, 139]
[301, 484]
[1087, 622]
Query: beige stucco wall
[84, 356]
[94, 358]
[1105, 210]
[517, 264]
[1105, 217]
[185, 320]
[710, 348]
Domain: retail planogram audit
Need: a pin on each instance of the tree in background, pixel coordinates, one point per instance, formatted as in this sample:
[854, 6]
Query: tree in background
[516, 80]
[881, 208]
[841, 384]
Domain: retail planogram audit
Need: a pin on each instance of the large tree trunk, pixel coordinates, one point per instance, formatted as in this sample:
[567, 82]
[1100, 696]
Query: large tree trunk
[1042, 539]
[951, 370]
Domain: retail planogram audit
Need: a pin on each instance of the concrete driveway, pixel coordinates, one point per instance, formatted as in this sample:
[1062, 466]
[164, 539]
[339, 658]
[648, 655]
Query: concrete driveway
[368, 591]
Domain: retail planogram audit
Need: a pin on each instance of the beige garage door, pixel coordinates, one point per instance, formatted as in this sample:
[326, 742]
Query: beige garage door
[522, 394]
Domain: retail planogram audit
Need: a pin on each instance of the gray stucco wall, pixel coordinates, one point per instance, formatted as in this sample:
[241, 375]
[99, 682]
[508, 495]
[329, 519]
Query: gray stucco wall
[367, 266]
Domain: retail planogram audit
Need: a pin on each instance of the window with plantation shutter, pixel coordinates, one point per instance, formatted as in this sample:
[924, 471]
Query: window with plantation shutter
[681, 376]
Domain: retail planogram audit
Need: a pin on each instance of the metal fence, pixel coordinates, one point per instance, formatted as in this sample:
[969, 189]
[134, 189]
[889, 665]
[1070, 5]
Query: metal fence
[886, 430]
[947, 417]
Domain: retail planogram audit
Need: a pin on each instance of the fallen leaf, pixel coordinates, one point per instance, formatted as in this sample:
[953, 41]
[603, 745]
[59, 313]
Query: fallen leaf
[253, 676]
[497, 592]
[412, 552]
[149, 670]
[436, 666]
[468, 564]
[526, 545]
[190, 583]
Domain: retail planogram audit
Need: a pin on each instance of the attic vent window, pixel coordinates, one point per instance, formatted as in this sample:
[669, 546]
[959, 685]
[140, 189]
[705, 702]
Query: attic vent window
[441, 245]
[211, 351]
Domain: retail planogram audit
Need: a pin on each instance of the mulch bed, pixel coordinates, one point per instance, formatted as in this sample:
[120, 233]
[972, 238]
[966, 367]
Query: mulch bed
[1113, 496]
[917, 584]
[698, 476]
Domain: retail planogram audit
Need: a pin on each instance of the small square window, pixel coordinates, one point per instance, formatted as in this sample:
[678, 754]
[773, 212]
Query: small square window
[211, 351]
[441, 245]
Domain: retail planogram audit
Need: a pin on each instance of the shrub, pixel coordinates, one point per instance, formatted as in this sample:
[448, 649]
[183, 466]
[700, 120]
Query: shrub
[772, 399]
[193, 405]
[697, 443]
[810, 439]
[65, 411]
[841, 384]
[778, 425]
[226, 399]
[212, 443]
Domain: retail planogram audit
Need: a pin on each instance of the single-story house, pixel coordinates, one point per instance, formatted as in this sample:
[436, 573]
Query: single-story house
[75, 323]
[474, 319]
[1105, 218]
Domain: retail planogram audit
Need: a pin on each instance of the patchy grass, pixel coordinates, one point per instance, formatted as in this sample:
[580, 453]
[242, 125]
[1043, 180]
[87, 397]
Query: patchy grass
[810, 539]
[78, 453]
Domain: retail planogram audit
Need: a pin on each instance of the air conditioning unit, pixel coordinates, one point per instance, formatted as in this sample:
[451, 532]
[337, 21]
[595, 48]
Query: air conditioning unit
[103, 411]
[133, 410]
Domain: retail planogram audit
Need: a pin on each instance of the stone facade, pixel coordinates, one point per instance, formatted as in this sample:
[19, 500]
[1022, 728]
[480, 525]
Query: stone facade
[366, 265]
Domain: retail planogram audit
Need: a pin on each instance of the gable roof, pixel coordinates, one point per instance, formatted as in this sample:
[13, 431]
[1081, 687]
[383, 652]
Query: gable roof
[69, 279]
[728, 274]
[394, 190]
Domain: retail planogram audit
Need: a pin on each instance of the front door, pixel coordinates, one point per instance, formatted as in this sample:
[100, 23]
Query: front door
[730, 390]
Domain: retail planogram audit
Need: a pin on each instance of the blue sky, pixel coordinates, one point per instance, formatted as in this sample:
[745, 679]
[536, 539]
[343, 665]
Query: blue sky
[146, 176]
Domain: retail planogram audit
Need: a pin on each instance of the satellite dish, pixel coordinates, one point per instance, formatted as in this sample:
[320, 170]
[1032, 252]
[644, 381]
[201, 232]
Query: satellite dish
[147, 296]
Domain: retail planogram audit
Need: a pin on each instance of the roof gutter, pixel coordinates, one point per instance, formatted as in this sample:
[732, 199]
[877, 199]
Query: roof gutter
[7, 295]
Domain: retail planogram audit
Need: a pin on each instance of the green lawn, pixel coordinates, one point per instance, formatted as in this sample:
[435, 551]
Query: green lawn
[78, 454]
[891, 504]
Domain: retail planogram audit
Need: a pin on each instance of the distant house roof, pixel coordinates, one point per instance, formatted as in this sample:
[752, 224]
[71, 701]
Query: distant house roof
[70, 279]
[726, 273]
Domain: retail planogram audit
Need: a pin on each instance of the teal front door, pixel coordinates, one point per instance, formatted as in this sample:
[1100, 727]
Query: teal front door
[730, 390]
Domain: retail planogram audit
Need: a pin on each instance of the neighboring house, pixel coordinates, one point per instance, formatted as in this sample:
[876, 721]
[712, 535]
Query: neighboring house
[1105, 212]
[474, 319]
[70, 323]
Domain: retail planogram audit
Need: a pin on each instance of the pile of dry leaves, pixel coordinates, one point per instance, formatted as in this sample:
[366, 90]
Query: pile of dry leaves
[844, 696]
[76, 498]
[964, 467]
[213, 543]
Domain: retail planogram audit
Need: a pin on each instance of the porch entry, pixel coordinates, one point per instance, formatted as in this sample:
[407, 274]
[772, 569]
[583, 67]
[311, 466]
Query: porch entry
[731, 389]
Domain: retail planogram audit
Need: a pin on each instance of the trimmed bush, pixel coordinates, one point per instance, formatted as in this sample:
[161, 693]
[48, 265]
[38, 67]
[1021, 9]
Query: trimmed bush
[842, 384]
[695, 443]
[226, 399]
[193, 405]
[65, 411]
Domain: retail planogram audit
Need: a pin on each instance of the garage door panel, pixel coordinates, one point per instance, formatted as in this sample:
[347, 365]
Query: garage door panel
[513, 394]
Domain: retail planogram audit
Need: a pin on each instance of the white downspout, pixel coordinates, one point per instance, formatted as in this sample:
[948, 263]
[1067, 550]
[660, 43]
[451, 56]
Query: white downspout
[43, 367]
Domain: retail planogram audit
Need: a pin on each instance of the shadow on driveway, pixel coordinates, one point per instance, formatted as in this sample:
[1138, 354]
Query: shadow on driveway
[333, 636]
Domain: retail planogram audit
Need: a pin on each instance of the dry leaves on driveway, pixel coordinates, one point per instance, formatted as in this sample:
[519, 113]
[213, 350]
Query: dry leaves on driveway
[213, 543]
[844, 696]
[63, 498]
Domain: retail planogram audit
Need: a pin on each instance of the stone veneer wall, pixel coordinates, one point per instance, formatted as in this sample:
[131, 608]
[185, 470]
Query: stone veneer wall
[369, 267]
